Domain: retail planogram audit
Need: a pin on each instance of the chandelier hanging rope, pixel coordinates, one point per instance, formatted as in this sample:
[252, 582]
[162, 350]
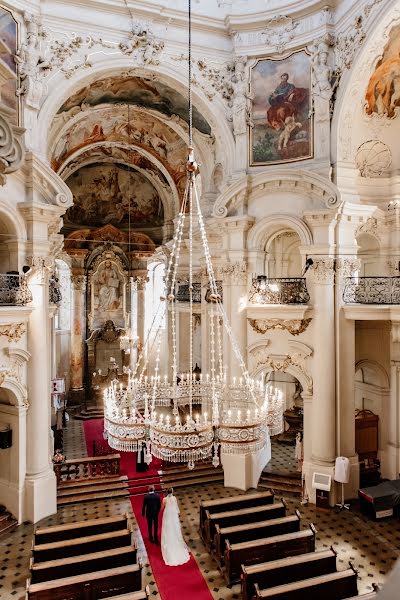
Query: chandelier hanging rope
[189, 417]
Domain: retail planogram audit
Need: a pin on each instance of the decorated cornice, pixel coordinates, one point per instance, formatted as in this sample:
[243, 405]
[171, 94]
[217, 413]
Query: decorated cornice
[43, 185]
[279, 180]
[293, 326]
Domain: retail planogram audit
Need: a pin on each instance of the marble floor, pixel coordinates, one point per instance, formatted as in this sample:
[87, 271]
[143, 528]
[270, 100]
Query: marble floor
[372, 547]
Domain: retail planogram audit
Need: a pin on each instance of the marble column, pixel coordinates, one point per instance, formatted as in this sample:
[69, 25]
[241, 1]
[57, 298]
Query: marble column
[234, 300]
[78, 333]
[393, 449]
[323, 451]
[40, 483]
[345, 365]
[141, 281]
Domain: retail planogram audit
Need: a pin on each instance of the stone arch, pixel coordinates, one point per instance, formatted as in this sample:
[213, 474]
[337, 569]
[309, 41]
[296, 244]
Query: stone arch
[351, 93]
[378, 368]
[293, 181]
[266, 228]
[214, 112]
[12, 229]
[13, 392]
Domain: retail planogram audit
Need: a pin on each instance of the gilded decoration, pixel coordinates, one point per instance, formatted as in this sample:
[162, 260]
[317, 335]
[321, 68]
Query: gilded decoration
[13, 331]
[293, 326]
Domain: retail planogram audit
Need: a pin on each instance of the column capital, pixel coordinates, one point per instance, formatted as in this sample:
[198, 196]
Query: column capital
[41, 267]
[139, 281]
[233, 273]
[346, 267]
[322, 270]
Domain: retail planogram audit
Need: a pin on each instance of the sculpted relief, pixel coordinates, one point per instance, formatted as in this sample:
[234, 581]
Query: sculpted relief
[282, 130]
[383, 91]
[107, 284]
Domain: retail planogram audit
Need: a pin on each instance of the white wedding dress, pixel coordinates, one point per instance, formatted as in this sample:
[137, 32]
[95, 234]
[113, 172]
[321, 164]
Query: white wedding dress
[173, 548]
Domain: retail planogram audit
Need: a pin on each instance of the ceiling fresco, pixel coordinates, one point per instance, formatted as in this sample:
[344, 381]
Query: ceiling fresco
[111, 126]
[137, 91]
[112, 194]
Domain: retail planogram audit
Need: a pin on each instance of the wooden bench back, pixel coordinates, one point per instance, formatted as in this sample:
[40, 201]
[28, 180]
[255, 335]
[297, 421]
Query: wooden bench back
[79, 565]
[242, 516]
[47, 535]
[141, 595]
[90, 586]
[85, 545]
[286, 570]
[334, 586]
[254, 531]
[234, 503]
[263, 550]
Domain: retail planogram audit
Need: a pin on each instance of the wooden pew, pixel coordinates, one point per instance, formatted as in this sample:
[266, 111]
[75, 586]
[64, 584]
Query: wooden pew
[142, 595]
[57, 533]
[253, 531]
[334, 586]
[89, 586]
[286, 570]
[233, 503]
[370, 596]
[79, 565]
[240, 517]
[85, 545]
[263, 550]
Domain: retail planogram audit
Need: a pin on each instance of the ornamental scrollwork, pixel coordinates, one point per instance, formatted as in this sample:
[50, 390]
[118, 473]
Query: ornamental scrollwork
[322, 270]
[234, 273]
[279, 31]
[293, 326]
[11, 151]
[13, 331]
[142, 44]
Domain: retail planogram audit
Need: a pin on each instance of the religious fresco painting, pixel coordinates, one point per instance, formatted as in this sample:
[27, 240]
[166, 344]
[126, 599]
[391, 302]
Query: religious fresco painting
[8, 67]
[135, 90]
[113, 194]
[281, 105]
[383, 91]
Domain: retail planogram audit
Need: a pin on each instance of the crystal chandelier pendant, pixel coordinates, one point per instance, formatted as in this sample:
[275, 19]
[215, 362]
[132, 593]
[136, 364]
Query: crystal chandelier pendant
[188, 417]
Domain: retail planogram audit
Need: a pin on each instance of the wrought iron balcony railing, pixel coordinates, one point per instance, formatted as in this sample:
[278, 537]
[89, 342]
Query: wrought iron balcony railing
[183, 292]
[278, 290]
[55, 296]
[14, 290]
[372, 290]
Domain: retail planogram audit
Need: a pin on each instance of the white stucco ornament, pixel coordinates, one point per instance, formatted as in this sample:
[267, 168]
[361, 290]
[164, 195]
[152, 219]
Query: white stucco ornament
[373, 158]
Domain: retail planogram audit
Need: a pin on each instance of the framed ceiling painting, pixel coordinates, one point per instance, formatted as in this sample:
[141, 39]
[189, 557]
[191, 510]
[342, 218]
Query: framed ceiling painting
[282, 125]
[8, 67]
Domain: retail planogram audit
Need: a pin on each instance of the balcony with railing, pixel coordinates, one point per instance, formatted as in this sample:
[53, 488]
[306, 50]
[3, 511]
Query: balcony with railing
[183, 293]
[372, 290]
[278, 290]
[14, 290]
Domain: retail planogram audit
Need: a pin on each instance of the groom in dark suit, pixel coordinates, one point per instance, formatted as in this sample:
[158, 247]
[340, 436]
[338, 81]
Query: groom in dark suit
[151, 508]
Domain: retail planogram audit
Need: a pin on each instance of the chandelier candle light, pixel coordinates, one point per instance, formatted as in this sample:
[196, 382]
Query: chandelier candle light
[186, 417]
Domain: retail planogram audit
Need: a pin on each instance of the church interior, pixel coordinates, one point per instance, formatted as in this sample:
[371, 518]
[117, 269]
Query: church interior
[200, 292]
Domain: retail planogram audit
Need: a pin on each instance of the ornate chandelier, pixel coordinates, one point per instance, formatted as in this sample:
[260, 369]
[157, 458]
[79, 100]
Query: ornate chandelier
[182, 417]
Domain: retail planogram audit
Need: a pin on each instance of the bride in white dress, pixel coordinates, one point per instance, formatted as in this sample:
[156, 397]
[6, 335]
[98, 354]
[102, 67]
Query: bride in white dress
[173, 548]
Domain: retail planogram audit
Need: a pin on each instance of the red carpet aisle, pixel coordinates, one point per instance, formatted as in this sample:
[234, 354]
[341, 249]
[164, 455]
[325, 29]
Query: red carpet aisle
[174, 583]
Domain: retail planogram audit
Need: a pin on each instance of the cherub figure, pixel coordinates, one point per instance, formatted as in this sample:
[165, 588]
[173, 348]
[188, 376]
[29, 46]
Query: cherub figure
[289, 127]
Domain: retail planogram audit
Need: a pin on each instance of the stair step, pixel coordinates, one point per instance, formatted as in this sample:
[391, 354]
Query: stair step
[272, 473]
[195, 481]
[280, 487]
[73, 483]
[8, 524]
[89, 497]
[191, 475]
[4, 517]
[284, 480]
[96, 488]
[184, 468]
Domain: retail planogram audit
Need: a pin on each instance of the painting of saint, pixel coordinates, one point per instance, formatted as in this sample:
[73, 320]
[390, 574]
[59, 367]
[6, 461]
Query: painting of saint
[383, 91]
[113, 194]
[282, 126]
[8, 67]
[107, 288]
